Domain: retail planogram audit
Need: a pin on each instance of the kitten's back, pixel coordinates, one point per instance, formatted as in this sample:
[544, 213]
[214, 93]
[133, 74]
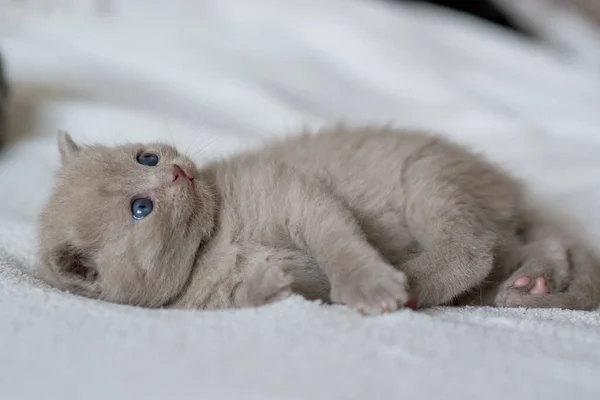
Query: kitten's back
[367, 165]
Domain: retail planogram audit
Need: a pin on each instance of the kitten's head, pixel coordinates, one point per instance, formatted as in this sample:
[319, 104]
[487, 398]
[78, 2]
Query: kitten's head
[124, 224]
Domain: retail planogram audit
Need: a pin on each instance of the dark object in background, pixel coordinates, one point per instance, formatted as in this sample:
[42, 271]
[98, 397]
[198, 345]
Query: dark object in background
[3, 103]
[484, 9]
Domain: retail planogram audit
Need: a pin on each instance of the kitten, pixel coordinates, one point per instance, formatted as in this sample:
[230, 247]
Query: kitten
[3, 104]
[372, 218]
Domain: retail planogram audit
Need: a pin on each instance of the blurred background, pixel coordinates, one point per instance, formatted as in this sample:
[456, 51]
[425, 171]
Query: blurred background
[503, 12]
[571, 27]
[219, 75]
[214, 75]
[110, 40]
[517, 80]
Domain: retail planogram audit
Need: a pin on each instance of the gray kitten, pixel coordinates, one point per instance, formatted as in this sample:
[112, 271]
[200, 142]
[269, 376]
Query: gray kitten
[373, 218]
[3, 103]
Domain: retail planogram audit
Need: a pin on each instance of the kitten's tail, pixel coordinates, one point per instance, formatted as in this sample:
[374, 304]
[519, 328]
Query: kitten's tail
[4, 91]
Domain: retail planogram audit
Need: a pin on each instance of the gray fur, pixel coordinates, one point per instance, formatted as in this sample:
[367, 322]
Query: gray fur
[373, 218]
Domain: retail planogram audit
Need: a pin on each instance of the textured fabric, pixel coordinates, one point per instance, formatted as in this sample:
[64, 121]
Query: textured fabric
[217, 76]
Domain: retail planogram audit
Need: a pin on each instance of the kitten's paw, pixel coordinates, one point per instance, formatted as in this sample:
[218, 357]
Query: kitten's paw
[521, 291]
[268, 283]
[537, 285]
[372, 290]
[544, 273]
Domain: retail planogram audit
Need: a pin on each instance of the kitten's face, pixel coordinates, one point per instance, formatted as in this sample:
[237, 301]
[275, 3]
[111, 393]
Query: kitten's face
[124, 224]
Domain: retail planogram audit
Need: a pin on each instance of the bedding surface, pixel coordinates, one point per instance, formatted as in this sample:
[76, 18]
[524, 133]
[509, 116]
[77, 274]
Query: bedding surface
[218, 76]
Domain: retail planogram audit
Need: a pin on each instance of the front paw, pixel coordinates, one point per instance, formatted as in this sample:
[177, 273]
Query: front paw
[372, 289]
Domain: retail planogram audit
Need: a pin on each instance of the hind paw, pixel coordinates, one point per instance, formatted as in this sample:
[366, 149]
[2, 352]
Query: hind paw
[522, 291]
[536, 285]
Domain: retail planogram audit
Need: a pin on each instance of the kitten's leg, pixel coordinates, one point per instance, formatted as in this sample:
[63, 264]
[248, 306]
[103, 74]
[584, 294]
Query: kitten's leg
[457, 238]
[557, 271]
[325, 228]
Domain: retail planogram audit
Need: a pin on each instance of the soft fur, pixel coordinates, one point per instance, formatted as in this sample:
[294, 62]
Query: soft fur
[373, 218]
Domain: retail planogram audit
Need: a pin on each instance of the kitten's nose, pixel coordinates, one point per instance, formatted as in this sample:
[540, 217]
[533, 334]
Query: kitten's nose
[178, 172]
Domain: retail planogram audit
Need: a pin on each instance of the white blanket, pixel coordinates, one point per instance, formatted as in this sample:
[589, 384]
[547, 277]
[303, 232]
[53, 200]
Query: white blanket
[215, 76]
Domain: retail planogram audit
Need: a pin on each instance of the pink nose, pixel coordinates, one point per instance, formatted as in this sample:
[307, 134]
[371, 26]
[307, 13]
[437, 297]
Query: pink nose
[178, 172]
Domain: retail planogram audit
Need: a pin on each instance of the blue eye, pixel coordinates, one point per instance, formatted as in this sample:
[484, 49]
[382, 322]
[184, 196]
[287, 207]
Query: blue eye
[148, 159]
[140, 208]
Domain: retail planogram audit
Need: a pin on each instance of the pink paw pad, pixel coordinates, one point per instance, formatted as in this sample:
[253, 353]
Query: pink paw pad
[539, 286]
[521, 281]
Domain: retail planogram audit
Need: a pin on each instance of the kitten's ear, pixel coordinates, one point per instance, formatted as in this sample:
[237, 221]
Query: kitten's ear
[71, 269]
[67, 147]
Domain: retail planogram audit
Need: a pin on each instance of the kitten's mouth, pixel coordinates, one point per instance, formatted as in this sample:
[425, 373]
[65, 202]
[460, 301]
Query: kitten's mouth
[179, 173]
